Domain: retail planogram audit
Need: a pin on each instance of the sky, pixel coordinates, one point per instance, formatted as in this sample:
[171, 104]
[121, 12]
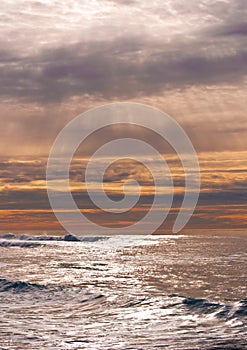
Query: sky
[61, 58]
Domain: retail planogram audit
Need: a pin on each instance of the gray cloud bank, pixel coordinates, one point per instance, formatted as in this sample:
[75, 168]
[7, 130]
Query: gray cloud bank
[56, 74]
[131, 63]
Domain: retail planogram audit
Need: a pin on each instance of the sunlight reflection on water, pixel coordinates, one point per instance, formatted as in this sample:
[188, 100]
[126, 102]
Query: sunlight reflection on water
[169, 292]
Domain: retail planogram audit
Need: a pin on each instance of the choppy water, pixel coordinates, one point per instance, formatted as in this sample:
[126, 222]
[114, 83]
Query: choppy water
[161, 292]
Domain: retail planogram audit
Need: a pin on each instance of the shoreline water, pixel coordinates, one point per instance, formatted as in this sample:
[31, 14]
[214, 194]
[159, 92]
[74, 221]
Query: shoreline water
[167, 292]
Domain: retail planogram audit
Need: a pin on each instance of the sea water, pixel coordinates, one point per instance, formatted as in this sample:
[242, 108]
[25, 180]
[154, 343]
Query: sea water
[124, 292]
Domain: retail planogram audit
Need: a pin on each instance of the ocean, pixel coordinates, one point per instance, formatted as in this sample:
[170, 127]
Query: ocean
[176, 292]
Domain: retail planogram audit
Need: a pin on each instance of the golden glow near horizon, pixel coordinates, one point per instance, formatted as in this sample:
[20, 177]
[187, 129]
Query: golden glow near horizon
[223, 178]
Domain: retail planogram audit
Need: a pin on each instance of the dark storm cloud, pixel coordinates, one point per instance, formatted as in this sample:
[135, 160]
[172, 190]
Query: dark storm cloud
[133, 49]
[114, 70]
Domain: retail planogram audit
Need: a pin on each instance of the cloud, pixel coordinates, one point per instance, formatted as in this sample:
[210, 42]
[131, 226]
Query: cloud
[231, 29]
[64, 57]
[22, 171]
[115, 70]
[123, 2]
[77, 49]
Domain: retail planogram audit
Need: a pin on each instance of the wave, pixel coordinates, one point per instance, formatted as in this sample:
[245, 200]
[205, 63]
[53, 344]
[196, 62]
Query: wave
[7, 244]
[204, 307]
[35, 293]
[19, 286]
[173, 303]
[66, 238]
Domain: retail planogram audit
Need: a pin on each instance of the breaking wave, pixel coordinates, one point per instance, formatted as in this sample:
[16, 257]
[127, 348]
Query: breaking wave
[23, 240]
[175, 303]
